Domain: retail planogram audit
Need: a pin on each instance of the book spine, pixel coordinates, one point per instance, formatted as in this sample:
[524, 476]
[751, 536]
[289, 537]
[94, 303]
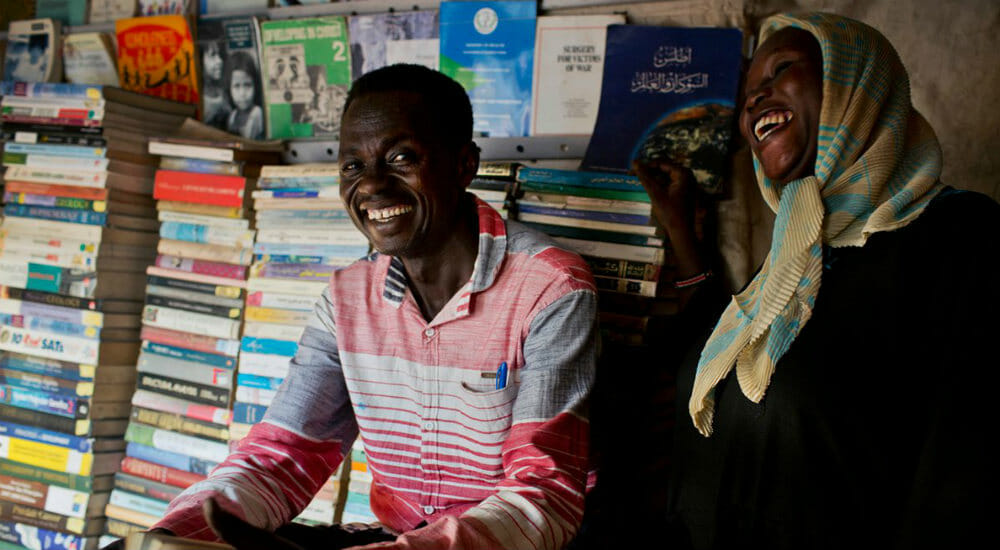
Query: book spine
[180, 424]
[166, 440]
[47, 367]
[66, 163]
[139, 503]
[45, 402]
[259, 382]
[49, 345]
[184, 354]
[39, 537]
[166, 292]
[41, 435]
[61, 121]
[121, 529]
[55, 137]
[626, 286]
[578, 178]
[265, 368]
[583, 223]
[201, 219]
[50, 457]
[254, 396]
[201, 166]
[221, 290]
[591, 234]
[45, 384]
[306, 272]
[35, 473]
[175, 319]
[56, 326]
[349, 236]
[64, 280]
[269, 345]
[113, 511]
[195, 307]
[207, 234]
[55, 90]
[165, 403]
[207, 252]
[272, 330]
[55, 214]
[29, 515]
[50, 498]
[146, 487]
[281, 301]
[329, 192]
[187, 371]
[280, 316]
[182, 389]
[216, 269]
[167, 149]
[613, 194]
[77, 192]
[247, 413]
[56, 150]
[29, 307]
[159, 473]
[54, 422]
[171, 460]
[221, 212]
[614, 251]
[642, 271]
[196, 342]
[78, 178]
[53, 201]
[593, 215]
[210, 189]
[269, 217]
[296, 259]
[327, 250]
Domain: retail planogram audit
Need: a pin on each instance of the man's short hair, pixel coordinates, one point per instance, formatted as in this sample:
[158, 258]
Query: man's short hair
[446, 100]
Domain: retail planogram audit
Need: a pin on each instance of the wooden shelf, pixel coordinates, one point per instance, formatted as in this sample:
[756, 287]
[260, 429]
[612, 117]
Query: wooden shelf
[299, 151]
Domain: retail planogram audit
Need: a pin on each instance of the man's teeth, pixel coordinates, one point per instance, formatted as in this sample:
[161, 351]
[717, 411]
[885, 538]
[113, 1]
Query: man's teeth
[386, 213]
[770, 122]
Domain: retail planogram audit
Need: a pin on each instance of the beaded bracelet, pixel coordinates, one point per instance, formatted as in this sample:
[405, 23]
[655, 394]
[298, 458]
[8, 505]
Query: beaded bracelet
[692, 281]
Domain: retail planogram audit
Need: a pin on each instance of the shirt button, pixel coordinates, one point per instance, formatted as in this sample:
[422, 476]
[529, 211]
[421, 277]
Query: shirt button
[428, 510]
[429, 332]
[428, 426]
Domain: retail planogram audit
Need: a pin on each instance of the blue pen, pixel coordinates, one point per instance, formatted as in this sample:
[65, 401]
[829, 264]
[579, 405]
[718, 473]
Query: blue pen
[501, 380]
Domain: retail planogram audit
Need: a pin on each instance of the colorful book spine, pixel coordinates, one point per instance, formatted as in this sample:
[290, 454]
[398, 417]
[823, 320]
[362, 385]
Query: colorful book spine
[280, 316]
[54, 422]
[171, 460]
[30, 536]
[43, 455]
[53, 201]
[46, 384]
[146, 487]
[196, 342]
[269, 345]
[246, 413]
[259, 382]
[50, 325]
[35, 473]
[254, 396]
[206, 234]
[186, 321]
[276, 300]
[185, 354]
[194, 307]
[180, 424]
[51, 498]
[203, 267]
[165, 403]
[121, 513]
[47, 367]
[67, 314]
[224, 289]
[69, 191]
[55, 214]
[186, 371]
[41, 435]
[139, 503]
[181, 389]
[37, 517]
[76, 151]
[56, 90]
[66, 163]
[167, 440]
[158, 472]
[49, 345]
[308, 272]
[613, 217]
[212, 189]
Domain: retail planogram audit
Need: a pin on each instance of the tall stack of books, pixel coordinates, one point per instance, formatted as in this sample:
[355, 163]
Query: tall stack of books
[606, 218]
[78, 232]
[303, 235]
[191, 327]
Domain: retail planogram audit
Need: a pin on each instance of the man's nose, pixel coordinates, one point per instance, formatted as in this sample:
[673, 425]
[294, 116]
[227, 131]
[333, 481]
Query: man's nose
[374, 179]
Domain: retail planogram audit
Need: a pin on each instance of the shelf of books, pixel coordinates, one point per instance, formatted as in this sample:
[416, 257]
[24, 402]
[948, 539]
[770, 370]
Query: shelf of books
[78, 230]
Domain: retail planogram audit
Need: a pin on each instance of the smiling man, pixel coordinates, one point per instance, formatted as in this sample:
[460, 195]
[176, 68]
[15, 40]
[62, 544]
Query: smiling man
[462, 350]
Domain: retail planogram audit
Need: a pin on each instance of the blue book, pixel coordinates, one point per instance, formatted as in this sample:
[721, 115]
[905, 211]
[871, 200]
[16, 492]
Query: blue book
[614, 217]
[169, 459]
[69, 215]
[50, 89]
[667, 93]
[575, 178]
[293, 259]
[139, 503]
[285, 348]
[78, 151]
[488, 47]
[248, 413]
[255, 381]
[29, 536]
[31, 433]
[43, 401]
[51, 325]
[184, 354]
[46, 367]
[298, 182]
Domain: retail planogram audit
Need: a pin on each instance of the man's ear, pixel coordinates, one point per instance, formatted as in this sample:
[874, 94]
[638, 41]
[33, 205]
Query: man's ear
[468, 163]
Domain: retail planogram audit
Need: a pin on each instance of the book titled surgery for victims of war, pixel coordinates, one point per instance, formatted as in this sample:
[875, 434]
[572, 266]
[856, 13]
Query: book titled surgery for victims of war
[678, 86]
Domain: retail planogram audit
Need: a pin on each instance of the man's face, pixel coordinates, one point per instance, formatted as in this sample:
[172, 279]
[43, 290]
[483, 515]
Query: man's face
[783, 97]
[399, 182]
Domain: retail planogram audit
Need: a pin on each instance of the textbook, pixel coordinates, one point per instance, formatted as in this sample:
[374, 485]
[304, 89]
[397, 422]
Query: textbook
[569, 64]
[156, 56]
[34, 50]
[678, 86]
[487, 47]
[382, 39]
[306, 74]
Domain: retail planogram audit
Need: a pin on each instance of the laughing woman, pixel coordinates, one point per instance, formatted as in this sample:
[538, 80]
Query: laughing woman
[844, 396]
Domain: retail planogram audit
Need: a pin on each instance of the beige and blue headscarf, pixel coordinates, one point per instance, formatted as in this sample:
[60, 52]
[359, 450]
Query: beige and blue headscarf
[877, 168]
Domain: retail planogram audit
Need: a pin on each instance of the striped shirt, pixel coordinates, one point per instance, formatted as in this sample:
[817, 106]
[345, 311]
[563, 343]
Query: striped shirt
[485, 468]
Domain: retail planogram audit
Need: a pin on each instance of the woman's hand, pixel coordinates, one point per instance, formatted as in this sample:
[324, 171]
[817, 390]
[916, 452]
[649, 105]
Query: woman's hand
[671, 190]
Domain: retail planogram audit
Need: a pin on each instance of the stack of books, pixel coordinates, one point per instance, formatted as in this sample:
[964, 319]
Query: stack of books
[303, 235]
[357, 504]
[494, 183]
[606, 218]
[191, 326]
[78, 231]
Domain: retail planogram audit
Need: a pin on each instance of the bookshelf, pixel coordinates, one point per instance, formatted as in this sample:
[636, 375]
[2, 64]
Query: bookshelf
[299, 151]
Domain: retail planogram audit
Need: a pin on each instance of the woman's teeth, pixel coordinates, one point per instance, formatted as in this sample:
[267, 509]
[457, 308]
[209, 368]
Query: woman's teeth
[770, 122]
[382, 214]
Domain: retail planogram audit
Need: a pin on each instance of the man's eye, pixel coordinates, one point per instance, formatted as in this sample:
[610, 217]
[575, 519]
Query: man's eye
[351, 166]
[403, 157]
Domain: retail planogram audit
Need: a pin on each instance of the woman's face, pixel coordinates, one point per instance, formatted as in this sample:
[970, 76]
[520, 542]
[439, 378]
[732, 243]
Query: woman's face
[782, 100]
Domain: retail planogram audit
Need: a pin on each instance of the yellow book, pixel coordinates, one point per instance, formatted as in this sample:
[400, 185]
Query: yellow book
[156, 56]
[43, 455]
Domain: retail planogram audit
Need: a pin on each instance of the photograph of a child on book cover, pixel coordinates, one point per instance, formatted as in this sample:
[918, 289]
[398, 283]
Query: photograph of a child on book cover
[26, 59]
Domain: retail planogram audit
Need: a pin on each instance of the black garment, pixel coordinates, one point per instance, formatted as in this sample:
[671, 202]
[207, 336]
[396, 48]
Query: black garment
[874, 428]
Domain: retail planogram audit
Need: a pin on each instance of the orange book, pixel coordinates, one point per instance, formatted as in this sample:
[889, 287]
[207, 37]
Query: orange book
[73, 191]
[156, 56]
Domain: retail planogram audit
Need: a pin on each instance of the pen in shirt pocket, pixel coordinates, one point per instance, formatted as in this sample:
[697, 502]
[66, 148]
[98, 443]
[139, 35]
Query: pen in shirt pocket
[501, 378]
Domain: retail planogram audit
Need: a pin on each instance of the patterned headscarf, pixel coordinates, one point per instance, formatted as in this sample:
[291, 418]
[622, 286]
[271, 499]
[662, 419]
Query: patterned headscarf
[877, 167]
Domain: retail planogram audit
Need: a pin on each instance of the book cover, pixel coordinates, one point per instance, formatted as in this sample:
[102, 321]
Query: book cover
[307, 70]
[167, 7]
[382, 39]
[33, 51]
[678, 87]
[232, 90]
[569, 65]
[487, 47]
[104, 11]
[156, 56]
[67, 12]
[89, 58]
[212, 189]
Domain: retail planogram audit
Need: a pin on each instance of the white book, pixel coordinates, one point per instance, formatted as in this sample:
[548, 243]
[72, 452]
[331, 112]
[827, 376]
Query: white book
[56, 175]
[201, 219]
[265, 370]
[54, 257]
[13, 271]
[48, 243]
[205, 449]
[89, 58]
[309, 170]
[50, 345]
[223, 154]
[277, 300]
[189, 321]
[254, 396]
[212, 234]
[264, 361]
[286, 286]
[66, 163]
[339, 236]
[45, 102]
[103, 11]
[54, 229]
[273, 331]
[555, 200]
[614, 251]
[89, 318]
[646, 230]
[569, 66]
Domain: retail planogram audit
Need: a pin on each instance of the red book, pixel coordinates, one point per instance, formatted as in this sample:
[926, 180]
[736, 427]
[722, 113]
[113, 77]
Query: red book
[72, 191]
[189, 340]
[214, 189]
[163, 474]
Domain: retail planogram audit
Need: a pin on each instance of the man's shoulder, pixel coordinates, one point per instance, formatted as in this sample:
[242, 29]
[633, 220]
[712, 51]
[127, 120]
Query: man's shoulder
[543, 254]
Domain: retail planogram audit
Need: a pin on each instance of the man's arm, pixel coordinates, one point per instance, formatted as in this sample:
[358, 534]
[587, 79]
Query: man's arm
[283, 461]
[540, 502]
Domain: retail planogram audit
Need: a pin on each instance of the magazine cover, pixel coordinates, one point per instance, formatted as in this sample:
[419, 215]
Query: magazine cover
[33, 51]
[382, 39]
[678, 87]
[89, 58]
[488, 48]
[156, 56]
[103, 11]
[232, 92]
[307, 71]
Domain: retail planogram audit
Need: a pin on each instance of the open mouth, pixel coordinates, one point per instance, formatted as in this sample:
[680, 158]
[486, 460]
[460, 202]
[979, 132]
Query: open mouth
[383, 215]
[771, 122]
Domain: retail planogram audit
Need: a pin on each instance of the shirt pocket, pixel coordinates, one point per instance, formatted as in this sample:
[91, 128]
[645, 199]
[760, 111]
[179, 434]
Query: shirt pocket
[486, 412]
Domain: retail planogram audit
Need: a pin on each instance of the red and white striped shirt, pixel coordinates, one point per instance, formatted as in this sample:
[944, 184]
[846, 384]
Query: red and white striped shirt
[485, 468]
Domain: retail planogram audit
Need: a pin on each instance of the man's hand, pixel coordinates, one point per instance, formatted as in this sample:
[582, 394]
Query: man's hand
[240, 534]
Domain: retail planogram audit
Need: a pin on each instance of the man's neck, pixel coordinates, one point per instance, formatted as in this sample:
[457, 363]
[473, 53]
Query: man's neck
[436, 277]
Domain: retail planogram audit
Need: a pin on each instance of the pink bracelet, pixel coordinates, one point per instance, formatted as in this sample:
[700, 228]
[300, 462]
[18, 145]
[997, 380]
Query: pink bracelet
[692, 281]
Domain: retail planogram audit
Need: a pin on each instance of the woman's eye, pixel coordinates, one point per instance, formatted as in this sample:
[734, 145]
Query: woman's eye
[781, 67]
